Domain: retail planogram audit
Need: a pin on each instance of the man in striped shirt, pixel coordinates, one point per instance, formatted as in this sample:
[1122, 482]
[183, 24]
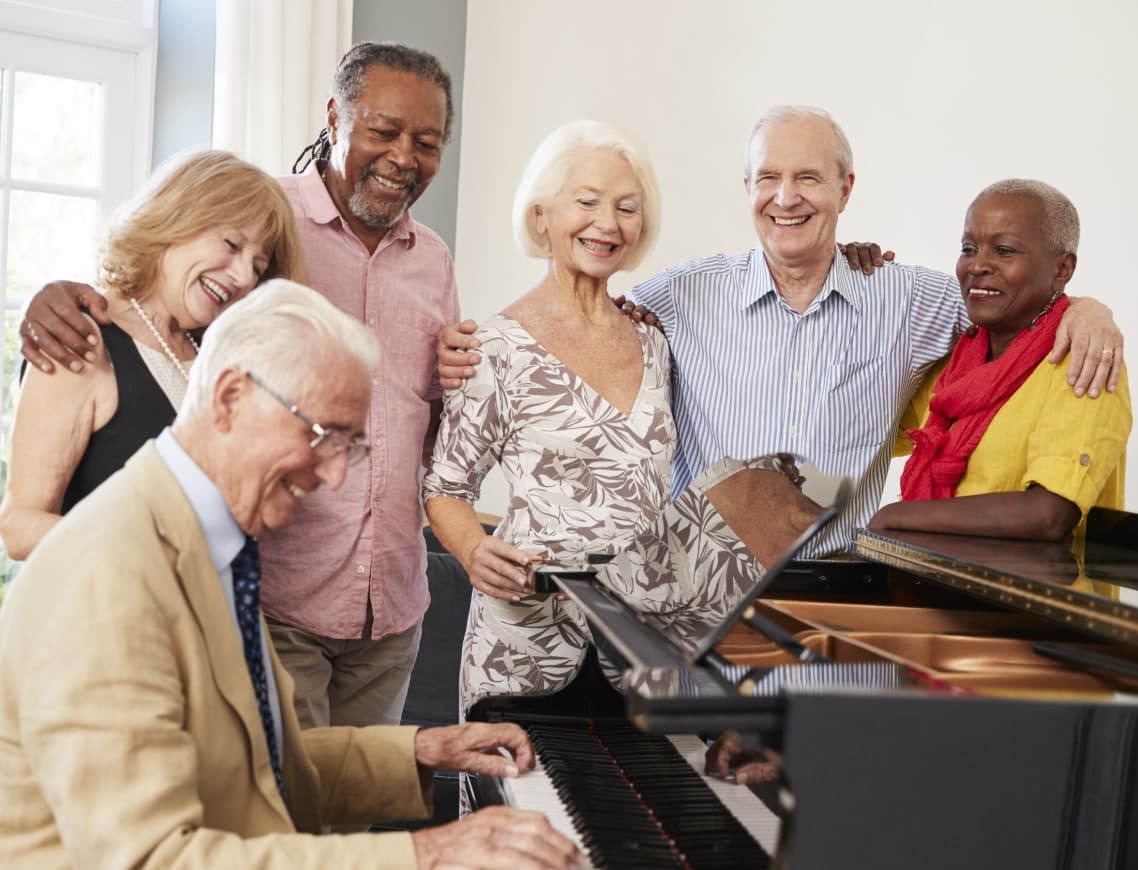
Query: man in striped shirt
[785, 348]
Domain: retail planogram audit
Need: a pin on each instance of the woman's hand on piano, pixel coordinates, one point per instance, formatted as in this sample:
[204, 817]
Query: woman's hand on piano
[728, 759]
[495, 748]
[497, 569]
[496, 837]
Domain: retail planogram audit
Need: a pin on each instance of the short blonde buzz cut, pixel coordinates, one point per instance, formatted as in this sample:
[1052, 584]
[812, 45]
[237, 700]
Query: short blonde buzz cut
[549, 167]
[1060, 218]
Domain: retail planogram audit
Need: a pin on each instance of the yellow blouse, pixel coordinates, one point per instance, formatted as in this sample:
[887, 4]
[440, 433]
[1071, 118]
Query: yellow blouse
[1044, 434]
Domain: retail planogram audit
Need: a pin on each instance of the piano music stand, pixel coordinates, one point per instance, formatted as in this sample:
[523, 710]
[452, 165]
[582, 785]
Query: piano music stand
[647, 649]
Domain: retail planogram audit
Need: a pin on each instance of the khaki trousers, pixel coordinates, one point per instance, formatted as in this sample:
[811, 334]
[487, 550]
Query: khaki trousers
[347, 682]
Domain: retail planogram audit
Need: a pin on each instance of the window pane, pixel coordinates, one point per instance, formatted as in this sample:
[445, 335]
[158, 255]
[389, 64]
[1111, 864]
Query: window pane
[49, 237]
[10, 320]
[57, 126]
[12, 359]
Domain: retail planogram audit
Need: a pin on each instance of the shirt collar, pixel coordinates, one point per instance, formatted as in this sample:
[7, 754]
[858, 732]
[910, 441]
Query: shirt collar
[319, 208]
[222, 534]
[758, 281]
[843, 280]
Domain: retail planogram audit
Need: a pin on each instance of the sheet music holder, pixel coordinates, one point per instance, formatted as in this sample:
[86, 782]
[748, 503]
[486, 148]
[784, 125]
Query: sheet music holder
[649, 651]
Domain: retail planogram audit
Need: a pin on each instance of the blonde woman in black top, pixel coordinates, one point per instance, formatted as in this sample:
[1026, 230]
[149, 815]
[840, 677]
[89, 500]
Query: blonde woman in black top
[202, 234]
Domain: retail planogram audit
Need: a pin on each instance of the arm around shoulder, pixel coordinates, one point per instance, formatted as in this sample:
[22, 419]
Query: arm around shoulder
[1093, 341]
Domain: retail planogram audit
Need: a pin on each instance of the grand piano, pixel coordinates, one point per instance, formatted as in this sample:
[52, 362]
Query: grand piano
[936, 701]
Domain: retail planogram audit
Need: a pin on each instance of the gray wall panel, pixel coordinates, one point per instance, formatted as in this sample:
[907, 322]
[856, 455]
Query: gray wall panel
[437, 26]
[183, 89]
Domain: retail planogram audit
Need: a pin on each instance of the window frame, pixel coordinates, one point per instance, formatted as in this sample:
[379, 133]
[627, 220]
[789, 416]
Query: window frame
[109, 41]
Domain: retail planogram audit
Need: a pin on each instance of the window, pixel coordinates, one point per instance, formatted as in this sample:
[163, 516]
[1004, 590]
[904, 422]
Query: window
[71, 115]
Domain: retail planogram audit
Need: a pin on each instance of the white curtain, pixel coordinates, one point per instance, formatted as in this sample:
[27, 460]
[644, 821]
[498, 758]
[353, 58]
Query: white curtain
[273, 63]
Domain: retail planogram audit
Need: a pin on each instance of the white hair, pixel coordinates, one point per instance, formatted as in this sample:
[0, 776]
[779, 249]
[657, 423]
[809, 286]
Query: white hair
[777, 114]
[284, 332]
[1060, 219]
[546, 173]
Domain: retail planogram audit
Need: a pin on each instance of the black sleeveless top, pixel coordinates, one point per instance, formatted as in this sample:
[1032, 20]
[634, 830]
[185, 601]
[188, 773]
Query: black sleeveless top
[143, 411]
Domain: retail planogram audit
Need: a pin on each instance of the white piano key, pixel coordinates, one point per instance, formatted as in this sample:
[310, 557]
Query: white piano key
[533, 790]
[741, 802]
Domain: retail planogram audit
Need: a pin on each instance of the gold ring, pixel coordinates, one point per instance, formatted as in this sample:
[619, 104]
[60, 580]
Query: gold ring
[1108, 351]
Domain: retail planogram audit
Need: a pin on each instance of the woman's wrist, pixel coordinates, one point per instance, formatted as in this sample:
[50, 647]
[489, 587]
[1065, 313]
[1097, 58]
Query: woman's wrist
[467, 551]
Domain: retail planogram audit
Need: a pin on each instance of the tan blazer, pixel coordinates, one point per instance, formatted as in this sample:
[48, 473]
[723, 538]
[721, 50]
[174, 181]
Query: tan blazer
[129, 731]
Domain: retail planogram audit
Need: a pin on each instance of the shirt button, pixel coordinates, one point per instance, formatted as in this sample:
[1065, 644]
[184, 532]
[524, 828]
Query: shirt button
[378, 442]
[792, 430]
[375, 382]
[1085, 459]
[360, 569]
[797, 377]
[371, 321]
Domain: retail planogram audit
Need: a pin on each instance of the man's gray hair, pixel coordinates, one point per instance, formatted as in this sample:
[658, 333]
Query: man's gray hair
[1060, 218]
[352, 72]
[549, 167]
[284, 332]
[801, 113]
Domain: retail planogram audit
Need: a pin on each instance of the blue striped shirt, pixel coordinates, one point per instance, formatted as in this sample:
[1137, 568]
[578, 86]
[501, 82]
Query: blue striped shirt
[753, 376]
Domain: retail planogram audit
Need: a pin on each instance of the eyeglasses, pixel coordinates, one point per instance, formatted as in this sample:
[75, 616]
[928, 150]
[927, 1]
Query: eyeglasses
[326, 443]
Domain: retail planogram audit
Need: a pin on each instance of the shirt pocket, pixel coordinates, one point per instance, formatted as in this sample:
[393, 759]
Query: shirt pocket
[407, 346]
[859, 406]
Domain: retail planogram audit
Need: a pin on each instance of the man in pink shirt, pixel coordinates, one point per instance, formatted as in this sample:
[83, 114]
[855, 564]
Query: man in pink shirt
[344, 587]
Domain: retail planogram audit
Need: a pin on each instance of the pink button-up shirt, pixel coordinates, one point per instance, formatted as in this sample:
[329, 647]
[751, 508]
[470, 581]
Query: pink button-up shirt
[366, 538]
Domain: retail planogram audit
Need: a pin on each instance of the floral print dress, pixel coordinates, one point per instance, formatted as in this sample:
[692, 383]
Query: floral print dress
[583, 477]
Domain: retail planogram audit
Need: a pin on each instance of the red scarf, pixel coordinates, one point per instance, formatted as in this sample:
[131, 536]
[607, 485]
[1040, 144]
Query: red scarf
[968, 394]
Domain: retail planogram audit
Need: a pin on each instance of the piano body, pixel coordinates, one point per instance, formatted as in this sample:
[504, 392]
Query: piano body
[938, 702]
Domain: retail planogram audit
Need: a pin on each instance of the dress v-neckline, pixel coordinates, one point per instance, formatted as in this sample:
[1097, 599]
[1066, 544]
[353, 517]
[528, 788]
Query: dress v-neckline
[636, 402]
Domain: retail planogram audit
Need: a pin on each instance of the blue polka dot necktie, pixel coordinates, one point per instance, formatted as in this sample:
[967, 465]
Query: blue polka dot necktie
[247, 598]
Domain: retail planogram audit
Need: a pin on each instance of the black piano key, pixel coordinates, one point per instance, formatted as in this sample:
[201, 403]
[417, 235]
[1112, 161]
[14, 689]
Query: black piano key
[616, 829]
[704, 832]
[637, 801]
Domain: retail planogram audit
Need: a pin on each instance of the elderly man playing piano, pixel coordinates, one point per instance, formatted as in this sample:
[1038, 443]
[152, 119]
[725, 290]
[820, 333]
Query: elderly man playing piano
[144, 719]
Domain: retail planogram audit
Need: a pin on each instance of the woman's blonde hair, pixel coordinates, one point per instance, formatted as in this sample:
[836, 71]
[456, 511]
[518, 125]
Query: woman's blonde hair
[186, 197]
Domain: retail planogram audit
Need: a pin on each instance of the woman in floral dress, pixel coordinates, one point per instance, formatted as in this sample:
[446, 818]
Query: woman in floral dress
[572, 400]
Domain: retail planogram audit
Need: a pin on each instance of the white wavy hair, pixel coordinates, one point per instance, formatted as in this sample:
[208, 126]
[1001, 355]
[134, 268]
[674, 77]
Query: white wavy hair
[547, 170]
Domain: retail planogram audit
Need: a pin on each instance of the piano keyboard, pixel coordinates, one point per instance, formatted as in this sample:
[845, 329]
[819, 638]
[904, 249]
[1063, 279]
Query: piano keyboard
[630, 800]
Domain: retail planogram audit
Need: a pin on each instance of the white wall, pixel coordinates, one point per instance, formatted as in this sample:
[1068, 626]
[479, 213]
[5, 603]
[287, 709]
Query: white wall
[936, 101]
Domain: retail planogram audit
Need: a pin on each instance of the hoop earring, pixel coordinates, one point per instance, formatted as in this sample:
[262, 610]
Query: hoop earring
[1046, 308]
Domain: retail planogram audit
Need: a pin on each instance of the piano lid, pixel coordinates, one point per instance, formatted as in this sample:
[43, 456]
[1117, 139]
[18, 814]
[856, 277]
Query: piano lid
[1080, 584]
[712, 553]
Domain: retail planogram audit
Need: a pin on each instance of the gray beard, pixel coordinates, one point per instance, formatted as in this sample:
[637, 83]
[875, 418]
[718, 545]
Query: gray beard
[373, 217]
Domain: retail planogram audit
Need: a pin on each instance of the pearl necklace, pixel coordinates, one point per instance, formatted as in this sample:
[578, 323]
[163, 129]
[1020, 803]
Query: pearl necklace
[162, 342]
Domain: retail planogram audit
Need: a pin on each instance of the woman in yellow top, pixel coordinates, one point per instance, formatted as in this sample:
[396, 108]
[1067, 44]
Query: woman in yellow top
[1006, 449]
